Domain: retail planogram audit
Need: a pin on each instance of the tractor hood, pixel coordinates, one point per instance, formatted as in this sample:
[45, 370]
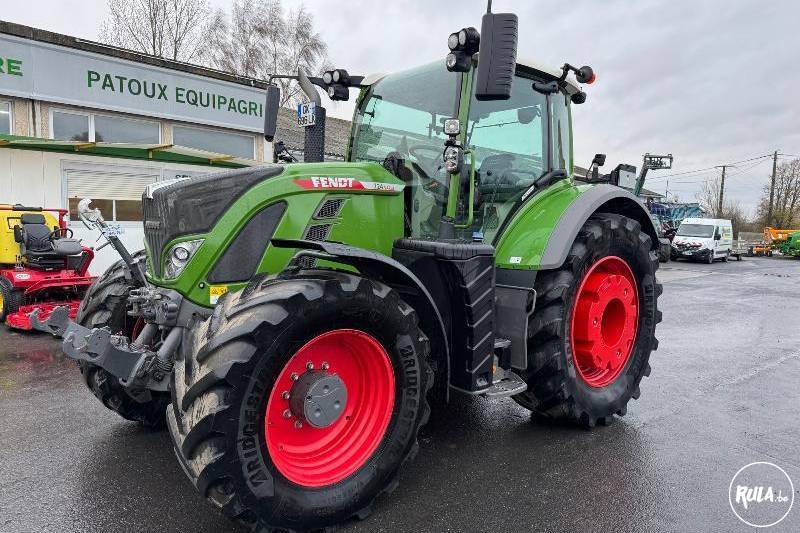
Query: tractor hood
[223, 222]
[186, 206]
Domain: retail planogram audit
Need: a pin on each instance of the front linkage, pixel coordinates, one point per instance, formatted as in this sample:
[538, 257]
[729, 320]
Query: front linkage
[144, 362]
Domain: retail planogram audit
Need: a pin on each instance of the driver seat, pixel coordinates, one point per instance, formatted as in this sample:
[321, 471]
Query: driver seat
[37, 247]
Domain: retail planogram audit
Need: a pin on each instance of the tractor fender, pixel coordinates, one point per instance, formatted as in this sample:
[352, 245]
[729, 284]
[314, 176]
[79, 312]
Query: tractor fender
[389, 271]
[596, 199]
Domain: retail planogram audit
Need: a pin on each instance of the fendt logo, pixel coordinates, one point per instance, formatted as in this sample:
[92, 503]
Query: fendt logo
[331, 182]
[761, 494]
[342, 182]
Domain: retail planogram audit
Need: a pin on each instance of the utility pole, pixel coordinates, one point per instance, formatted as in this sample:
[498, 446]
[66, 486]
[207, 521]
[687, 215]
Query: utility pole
[721, 191]
[772, 187]
[666, 192]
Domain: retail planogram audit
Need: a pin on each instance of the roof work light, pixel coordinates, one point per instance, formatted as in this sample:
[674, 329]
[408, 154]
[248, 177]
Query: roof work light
[462, 44]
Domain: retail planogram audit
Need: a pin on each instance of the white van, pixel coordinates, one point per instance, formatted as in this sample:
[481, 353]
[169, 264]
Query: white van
[703, 238]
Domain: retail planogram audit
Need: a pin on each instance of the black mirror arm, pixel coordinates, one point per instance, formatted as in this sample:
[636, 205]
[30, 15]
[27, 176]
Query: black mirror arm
[550, 177]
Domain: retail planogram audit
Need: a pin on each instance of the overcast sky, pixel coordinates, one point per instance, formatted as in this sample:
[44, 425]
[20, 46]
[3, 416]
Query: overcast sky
[711, 82]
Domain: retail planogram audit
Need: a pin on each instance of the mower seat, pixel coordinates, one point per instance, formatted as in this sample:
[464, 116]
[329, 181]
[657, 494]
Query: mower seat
[37, 247]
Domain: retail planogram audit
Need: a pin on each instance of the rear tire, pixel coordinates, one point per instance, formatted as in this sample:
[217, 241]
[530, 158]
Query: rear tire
[558, 388]
[105, 305]
[233, 419]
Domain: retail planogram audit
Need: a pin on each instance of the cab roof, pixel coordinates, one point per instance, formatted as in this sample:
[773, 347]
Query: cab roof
[523, 62]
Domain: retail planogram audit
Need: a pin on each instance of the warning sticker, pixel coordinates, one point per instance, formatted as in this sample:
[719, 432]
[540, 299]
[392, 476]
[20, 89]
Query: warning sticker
[215, 291]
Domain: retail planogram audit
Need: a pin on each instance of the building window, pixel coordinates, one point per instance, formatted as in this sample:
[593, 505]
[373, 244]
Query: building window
[5, 118]
[221, 142]
[113, 210]
[124, 130]
[115, 190]
[70, 126]
[76, 126]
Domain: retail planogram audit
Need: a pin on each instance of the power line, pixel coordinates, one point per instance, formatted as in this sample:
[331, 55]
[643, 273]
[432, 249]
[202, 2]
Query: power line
[701, 170]
[735, 172]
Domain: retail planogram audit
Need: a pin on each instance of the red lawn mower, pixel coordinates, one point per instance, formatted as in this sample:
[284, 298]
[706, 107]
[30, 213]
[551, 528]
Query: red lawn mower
[41, 266]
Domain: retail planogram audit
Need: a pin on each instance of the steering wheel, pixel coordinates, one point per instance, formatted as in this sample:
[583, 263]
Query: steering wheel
[60, 233]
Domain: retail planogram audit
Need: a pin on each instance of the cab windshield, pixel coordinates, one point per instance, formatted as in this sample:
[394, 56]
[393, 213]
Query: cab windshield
[696, 230]
[402, 117]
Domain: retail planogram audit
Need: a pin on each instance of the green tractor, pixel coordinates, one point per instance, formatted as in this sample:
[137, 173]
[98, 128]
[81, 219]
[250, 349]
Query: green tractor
[289, 323]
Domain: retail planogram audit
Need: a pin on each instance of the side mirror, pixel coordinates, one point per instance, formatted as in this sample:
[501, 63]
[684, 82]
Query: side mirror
[599, 160]
[497, 57]
[271, 106]
[717, 236]
[18, 236]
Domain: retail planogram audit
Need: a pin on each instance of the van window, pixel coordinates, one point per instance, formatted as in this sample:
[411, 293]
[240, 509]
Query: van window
[696, 230]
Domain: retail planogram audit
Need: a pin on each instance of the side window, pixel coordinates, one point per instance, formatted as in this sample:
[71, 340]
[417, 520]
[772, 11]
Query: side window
[509, 141]
[562, 132]
[508, 136]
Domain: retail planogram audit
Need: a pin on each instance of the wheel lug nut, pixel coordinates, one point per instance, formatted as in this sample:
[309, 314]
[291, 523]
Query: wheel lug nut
[310, 365]
[325, 365]
[295, 377]
[287, 414]
[285, 395]
[297, 424]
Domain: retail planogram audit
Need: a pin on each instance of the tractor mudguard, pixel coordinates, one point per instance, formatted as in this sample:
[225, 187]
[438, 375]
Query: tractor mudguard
[388, 271]
[542, 230]
[598, 198]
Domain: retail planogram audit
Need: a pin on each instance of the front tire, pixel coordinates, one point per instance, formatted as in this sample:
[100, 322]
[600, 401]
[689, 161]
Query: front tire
[593, 327]
[10, 299]
[239, 419]
[105, 305]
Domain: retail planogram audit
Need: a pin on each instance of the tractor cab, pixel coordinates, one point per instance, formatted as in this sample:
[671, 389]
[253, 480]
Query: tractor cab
[510, 146]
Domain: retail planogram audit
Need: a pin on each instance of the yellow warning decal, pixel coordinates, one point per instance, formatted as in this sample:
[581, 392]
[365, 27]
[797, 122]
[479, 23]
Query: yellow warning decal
[215, 291]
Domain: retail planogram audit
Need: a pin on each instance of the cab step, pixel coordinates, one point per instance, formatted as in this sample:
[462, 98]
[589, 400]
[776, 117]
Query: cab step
[508, 384]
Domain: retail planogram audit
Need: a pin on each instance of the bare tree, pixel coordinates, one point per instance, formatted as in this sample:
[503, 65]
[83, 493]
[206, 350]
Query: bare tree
[708, 197]
[260, 38]
[173, 29]
[786, 205]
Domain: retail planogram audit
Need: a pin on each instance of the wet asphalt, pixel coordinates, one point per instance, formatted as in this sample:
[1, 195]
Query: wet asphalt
[724, 392]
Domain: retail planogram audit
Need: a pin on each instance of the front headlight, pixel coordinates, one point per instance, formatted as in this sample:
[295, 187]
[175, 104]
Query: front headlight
[178, 257]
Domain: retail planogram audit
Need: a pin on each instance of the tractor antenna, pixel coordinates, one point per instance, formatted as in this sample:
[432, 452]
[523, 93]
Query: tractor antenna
[488, 6]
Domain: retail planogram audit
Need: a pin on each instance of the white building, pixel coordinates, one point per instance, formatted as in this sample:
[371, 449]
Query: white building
[82, 119]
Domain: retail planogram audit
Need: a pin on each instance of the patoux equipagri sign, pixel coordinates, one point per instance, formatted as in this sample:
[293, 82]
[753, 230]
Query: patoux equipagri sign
[48, 72]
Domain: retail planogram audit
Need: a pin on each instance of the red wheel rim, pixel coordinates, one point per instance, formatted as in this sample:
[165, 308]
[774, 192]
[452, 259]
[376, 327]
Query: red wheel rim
[315, 457]
[605, 318]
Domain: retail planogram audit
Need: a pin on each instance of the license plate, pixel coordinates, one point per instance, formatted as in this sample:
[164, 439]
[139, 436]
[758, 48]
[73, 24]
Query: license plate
[306, 114]
[113, 230]
[687, 253]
